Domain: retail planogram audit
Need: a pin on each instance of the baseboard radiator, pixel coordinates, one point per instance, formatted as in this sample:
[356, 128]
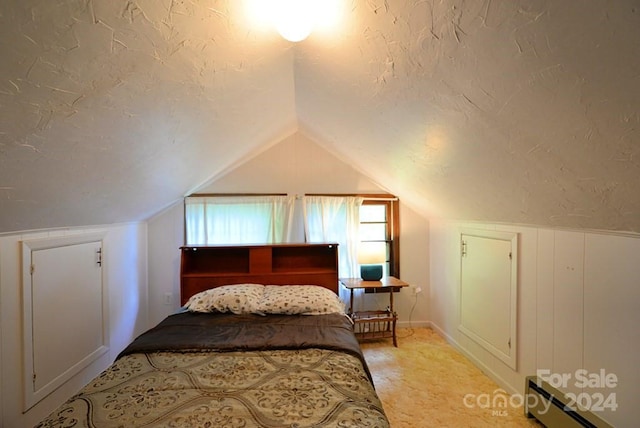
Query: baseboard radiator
[551, 407]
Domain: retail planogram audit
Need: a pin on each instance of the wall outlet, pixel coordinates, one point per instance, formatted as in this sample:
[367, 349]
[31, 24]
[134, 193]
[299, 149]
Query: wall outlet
[168, 298]
[417, 290]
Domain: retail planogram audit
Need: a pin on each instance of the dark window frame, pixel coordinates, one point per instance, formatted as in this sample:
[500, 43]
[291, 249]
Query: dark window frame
[392, 238]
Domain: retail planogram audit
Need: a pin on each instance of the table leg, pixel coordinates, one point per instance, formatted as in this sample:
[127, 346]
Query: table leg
[351, 303]
[393, 314]
[395, 340]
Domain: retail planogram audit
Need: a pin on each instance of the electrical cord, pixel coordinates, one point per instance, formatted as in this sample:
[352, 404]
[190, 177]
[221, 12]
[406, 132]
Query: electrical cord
[411, 330]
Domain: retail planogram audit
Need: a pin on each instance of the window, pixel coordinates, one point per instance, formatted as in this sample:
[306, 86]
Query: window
[379, 227]
[354, 221]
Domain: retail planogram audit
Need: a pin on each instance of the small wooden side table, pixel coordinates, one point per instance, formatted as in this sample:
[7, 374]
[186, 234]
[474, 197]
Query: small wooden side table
[375, 324]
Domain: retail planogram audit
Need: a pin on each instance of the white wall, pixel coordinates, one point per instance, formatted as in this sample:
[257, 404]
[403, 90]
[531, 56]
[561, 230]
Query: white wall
[294, 166]
[577, 308]
[166, 235]
[125, 274]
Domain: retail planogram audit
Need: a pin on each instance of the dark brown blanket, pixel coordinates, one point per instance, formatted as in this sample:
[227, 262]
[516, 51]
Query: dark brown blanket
[194, 332]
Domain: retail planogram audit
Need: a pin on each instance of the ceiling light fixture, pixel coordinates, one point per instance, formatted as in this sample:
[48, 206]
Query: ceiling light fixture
[295, 19]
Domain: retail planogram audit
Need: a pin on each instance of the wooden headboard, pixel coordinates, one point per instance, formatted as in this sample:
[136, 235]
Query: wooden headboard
[205, 267]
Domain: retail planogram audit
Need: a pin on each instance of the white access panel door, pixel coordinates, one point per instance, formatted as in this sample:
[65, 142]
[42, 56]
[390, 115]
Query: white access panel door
[64, 315]
[488, 299]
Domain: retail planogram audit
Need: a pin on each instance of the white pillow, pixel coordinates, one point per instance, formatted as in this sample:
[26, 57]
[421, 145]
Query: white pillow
[299, 299]
[235, 298]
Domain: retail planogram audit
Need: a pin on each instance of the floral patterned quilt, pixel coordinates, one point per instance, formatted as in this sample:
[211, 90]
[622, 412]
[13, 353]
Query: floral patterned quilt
[303, 385]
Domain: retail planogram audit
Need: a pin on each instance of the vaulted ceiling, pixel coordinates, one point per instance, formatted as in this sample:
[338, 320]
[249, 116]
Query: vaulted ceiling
[499, 111]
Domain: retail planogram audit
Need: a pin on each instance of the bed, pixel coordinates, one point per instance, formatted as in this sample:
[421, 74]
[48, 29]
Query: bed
[242, 353]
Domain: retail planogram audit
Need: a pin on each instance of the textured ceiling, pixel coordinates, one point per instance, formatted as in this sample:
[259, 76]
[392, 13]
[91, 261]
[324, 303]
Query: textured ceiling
[499, 111]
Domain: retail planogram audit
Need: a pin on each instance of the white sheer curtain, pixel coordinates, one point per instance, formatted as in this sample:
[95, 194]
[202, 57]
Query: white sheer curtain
[214, 220]
[335, 219]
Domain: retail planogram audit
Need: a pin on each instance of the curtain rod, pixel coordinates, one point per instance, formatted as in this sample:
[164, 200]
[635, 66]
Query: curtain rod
[390, 198]
[370, 197]
[201, 195]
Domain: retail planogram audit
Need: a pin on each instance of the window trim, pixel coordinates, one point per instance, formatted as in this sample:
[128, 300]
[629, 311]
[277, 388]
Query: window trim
[392, 238]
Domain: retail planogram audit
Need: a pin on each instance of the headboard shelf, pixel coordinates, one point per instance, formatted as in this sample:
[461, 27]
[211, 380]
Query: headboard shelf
[295, 269]
[204, 267]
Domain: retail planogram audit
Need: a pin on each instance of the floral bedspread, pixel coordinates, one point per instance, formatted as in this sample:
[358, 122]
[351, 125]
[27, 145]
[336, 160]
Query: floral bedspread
[303, 386]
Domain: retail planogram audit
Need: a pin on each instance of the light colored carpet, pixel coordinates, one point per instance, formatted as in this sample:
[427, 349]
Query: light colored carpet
[424, 382]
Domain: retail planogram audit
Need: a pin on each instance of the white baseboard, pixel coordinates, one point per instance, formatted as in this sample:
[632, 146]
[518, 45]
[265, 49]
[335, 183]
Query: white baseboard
[413, 324]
